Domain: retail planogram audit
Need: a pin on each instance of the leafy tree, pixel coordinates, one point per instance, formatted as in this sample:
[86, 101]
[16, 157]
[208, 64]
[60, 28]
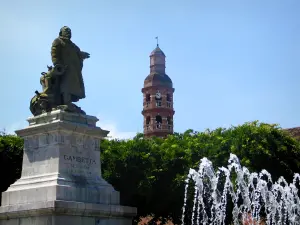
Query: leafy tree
[150, 173]
[11, 156]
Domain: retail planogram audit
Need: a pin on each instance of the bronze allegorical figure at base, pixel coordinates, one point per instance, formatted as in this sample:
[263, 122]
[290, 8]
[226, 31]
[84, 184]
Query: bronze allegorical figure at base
[63, 83]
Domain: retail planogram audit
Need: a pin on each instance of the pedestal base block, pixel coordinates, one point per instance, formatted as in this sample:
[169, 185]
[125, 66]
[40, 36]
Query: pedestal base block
[66, 213]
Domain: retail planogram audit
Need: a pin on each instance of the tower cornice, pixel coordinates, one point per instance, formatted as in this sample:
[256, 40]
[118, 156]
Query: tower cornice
[158, 110]
[145, 89]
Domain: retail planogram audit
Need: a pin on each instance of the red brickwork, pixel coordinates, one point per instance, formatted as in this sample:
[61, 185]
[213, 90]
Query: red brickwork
[295, 132]
[158, 112]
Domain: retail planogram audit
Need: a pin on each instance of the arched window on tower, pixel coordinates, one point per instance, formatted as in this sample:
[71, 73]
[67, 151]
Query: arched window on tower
[148, 99]
[169, 100]
[169, 122]
[148, 120]
[158, 121]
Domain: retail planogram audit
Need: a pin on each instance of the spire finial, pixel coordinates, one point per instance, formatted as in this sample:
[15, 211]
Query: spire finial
[156, 41]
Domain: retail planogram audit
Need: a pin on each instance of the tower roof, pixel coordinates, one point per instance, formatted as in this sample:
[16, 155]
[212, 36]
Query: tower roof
[156, 79]
[157, 51]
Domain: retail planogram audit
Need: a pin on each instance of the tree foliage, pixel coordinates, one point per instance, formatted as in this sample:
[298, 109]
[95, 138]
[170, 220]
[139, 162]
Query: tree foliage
[150, 173]
[11, 156]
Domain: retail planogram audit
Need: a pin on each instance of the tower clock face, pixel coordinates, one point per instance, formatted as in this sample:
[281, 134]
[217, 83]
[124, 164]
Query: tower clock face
[158, 95]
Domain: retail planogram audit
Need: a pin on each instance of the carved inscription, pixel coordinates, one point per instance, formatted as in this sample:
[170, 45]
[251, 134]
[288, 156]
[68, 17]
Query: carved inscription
[79, 159]
[81, 166]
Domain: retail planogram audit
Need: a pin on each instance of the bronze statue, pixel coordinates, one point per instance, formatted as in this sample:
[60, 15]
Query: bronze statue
[63, 83]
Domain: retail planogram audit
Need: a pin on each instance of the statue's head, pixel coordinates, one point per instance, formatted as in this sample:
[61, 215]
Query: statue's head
[65, 32]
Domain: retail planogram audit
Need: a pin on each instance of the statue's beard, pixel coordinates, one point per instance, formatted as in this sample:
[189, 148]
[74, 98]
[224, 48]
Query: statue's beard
[66, 36]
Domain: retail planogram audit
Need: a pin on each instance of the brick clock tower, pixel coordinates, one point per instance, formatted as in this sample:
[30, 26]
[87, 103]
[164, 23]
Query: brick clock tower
[158, 92]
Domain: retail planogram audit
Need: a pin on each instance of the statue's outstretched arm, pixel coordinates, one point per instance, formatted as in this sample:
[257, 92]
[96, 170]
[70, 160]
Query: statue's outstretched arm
[84, 55]
[56, 52]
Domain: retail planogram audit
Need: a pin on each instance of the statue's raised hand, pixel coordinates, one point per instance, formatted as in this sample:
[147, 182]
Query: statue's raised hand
[85, 55]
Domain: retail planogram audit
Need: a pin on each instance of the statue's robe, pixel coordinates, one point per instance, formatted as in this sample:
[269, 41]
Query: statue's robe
[65, 52]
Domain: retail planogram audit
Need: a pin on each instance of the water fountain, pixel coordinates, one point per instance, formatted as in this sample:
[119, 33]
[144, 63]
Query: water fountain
[253, 198]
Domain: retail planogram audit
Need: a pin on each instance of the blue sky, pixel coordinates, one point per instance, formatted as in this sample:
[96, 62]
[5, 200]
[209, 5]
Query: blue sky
[230, 61]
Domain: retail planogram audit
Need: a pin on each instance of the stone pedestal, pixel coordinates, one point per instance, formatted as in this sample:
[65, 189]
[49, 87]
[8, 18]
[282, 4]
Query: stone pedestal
[61, 178]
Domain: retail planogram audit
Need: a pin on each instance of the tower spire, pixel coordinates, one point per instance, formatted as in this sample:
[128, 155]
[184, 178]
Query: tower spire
[157, 41]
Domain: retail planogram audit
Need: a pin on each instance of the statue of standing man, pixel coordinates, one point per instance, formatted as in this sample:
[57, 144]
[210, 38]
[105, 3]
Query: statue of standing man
[63, 83]
[64, 52]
